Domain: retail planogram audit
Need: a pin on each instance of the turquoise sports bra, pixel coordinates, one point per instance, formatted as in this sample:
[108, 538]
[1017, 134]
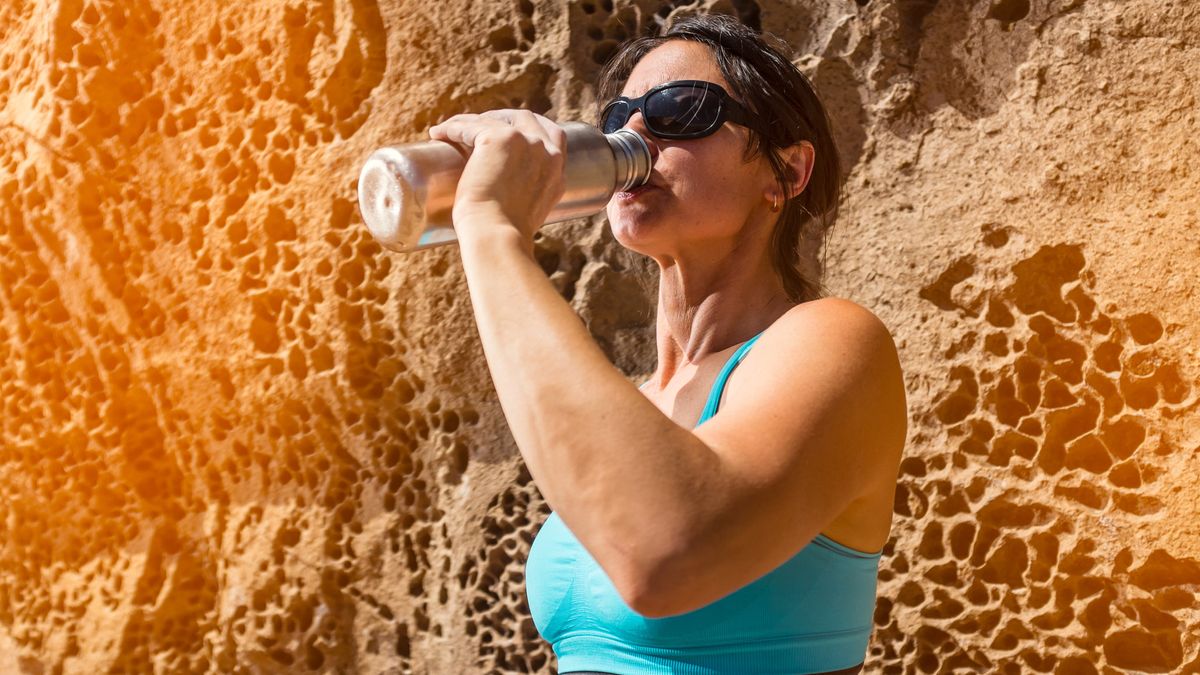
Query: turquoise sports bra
[812, 614]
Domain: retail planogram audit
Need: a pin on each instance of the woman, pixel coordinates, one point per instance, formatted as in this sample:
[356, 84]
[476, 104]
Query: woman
[683, 539]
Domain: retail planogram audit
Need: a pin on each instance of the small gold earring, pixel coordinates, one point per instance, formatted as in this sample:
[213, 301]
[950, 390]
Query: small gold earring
[775, 203]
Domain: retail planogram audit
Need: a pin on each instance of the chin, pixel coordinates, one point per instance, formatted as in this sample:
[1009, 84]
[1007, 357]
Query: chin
[635, 234]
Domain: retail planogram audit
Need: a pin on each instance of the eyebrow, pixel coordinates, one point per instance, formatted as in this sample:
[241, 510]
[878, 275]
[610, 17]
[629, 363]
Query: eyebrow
[662, 78]
[637, 93]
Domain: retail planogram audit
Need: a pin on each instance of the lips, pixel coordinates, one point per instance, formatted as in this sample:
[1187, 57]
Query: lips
[637, 191]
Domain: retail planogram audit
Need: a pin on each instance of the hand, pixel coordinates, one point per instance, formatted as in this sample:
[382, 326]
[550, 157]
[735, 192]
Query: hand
[513, 172]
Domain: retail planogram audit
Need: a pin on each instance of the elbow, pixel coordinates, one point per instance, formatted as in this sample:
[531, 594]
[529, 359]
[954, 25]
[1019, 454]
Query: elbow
[674, 584]
[636, 587]
[651, 594]
[651, 609]
[652, 571]
[642, 600]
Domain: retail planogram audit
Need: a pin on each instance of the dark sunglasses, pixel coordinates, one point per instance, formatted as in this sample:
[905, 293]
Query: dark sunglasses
[678, 110]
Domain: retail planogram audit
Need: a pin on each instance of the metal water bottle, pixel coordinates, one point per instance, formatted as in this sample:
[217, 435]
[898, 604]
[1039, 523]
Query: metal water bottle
[406, 193]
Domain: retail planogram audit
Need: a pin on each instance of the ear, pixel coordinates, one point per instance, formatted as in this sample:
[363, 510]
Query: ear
[799, 160]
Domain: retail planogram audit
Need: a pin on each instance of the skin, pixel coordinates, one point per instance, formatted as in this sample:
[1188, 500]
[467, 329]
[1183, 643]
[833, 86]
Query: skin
[811, 425]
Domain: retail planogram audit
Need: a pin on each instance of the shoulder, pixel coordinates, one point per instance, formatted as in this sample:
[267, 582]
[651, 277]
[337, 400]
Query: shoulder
[832, 323]
[821, 390]
[830, 307]
[834, 355]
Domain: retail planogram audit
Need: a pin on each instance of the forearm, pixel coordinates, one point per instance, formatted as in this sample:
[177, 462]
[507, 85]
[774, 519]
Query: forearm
[622, 475]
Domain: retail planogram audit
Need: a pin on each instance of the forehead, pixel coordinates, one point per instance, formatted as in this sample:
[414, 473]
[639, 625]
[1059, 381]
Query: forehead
[674, 60]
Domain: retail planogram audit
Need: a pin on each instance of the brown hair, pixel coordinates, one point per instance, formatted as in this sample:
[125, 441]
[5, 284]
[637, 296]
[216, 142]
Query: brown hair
[788, 110]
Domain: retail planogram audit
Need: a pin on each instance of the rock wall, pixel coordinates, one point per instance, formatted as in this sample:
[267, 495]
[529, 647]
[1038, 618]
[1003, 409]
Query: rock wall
[240, 437]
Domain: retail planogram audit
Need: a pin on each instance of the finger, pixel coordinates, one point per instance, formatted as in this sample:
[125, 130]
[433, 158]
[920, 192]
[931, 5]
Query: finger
[513, 119]
[558, 137]
[502, 114]
[464, 131]
[461, 117]
[552, 137]
[526, 122]
[530, 124]
[557, 134]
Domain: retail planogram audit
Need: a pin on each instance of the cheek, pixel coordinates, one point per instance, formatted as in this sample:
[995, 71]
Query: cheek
[715, 197]
[714, 179]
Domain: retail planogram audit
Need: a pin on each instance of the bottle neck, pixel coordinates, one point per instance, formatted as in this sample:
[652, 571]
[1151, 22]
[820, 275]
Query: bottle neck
[633, 158]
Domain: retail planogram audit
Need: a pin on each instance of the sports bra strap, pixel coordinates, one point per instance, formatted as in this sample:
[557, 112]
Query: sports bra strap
[719, 385]
[714, 397]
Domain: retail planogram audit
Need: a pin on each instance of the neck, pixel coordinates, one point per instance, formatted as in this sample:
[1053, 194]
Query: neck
[705, 309]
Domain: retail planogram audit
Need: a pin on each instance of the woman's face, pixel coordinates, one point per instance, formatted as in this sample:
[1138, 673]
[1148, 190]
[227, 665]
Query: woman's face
[700, 190]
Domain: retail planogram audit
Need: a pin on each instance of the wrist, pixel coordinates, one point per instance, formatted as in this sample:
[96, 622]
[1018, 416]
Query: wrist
[469, 216]
[490, 234]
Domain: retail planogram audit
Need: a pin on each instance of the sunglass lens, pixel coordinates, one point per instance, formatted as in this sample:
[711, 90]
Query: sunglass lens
[615, 116]
[682, 110]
